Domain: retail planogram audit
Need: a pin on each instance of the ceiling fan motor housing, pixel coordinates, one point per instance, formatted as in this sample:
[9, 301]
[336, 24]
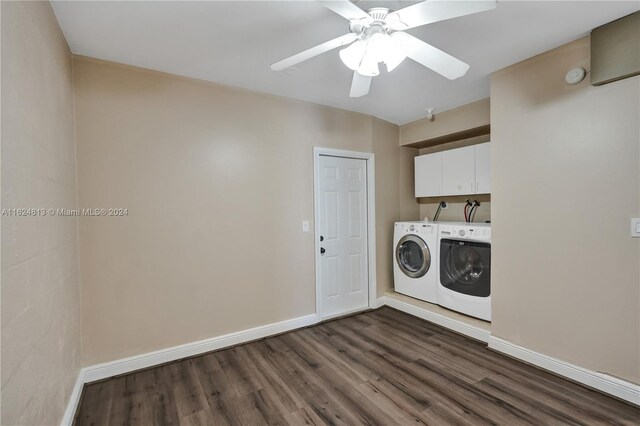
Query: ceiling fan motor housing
[378, 13]
[375, 21]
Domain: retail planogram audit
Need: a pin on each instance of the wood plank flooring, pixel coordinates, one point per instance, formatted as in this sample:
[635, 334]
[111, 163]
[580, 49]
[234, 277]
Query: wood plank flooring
[382, 367]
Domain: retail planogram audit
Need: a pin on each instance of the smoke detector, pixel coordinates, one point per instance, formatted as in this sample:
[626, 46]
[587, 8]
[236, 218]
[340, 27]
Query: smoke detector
[575, 75]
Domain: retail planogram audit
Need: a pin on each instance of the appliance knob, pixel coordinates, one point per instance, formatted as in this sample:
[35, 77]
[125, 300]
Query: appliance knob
[461, 232]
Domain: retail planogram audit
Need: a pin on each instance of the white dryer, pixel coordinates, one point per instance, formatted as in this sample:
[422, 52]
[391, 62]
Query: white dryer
[464, 265]
[415, 260]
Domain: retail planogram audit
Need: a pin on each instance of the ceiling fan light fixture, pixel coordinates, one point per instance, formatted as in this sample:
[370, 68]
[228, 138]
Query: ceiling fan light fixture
[364, 55]
[377, 35]
[395, 23]
[396, 54]
[393, 62]
[380, 46]
[353, 55]
[369, 66]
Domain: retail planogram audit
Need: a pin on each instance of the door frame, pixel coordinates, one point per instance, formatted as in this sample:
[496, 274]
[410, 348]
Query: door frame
[371, 221]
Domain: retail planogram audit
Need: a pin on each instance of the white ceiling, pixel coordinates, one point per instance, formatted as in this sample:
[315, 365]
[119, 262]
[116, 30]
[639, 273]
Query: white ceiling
[234, 42]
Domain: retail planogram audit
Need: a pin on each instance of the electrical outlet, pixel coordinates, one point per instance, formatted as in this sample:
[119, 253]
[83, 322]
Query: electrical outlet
[635, 227]
[305, 226]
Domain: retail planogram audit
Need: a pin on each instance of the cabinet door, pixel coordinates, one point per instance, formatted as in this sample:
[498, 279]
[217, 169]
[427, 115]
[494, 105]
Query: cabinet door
[428, 172]
[459, 171]
[483, 168]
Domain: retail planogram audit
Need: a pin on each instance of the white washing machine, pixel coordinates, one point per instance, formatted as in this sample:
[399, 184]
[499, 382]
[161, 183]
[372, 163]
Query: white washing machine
[464, 266]
[415, 259]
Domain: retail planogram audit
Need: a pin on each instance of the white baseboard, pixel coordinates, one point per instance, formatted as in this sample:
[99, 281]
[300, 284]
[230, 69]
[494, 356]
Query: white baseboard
[379, 303]
[137, 362]
[446, 322]
[74, 400]
[624, 390]
[608, 384]
[619, 388]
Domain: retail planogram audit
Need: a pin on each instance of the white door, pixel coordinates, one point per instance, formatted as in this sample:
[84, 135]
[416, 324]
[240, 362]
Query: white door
[483, 168]
[459, 171]
[428, 174]
[342, 199]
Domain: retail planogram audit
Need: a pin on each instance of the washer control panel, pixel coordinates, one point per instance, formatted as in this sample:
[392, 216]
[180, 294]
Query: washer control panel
[466, 232]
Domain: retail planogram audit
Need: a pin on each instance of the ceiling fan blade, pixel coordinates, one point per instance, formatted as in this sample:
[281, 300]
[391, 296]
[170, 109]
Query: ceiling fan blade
[430, 11]
[346, 9]
[430, 57]
[359, 85]
[314, 51]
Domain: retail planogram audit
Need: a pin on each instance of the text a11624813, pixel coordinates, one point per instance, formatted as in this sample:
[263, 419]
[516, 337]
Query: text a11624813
[64, 212]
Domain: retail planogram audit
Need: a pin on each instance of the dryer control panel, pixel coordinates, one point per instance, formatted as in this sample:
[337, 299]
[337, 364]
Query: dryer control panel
[420, 228]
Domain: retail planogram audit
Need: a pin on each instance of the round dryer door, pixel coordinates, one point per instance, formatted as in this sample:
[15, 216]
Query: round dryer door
[413, 256]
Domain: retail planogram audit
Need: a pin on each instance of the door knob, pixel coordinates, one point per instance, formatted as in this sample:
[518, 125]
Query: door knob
[321, 238]
[322, 250]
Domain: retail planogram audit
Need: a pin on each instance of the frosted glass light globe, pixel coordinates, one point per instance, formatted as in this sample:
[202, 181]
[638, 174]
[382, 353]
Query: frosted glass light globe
[352, 56]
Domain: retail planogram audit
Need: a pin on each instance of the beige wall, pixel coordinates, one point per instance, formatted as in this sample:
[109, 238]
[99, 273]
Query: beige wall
[455, 208]
[455, 204]
[394, 195]
[409, 208]
[565, 176]
[217, 182]
[457, 121]
[40, 288]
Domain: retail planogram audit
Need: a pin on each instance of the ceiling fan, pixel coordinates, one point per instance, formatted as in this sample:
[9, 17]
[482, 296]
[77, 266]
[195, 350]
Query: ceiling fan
[377, 35]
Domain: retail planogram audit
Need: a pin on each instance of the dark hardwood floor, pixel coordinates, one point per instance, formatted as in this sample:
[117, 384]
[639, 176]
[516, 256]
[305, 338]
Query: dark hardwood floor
[383, 367]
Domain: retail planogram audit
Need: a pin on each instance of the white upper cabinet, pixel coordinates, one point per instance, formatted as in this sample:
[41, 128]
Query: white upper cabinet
[428, 172]
[483, 168]
[459, 171]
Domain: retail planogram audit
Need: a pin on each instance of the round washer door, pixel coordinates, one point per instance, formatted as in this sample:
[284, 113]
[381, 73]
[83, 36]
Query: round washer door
[413, 256]
[465, 267]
